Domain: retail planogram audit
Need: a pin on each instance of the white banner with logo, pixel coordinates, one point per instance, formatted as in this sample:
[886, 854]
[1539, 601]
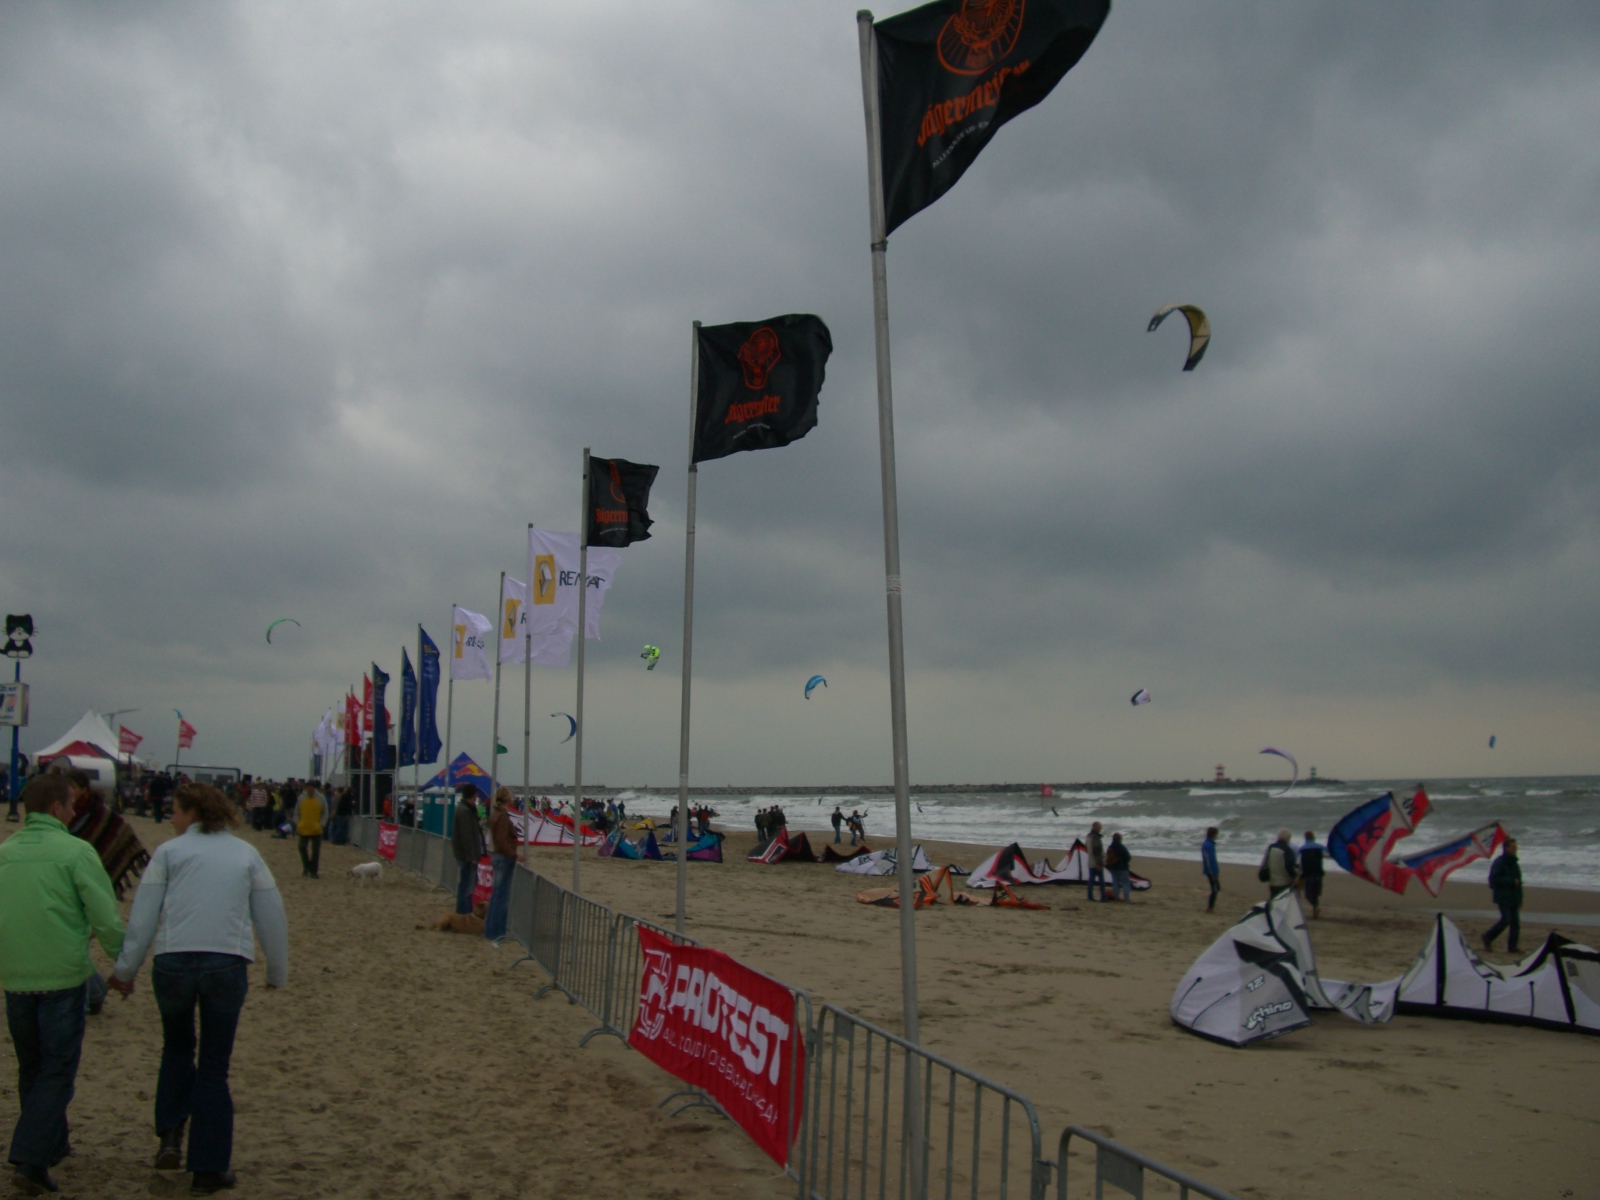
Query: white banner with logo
[469, 645]
[553, 583]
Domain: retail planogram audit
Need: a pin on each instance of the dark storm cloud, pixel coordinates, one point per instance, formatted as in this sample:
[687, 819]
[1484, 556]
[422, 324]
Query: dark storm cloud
[312, 317]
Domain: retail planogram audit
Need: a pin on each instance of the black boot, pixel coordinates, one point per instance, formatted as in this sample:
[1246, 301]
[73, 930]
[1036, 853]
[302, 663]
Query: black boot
[33, 1181]
[170, 1156]
[207, 1182]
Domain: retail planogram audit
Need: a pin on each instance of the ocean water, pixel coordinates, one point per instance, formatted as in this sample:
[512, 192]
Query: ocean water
[1555, 820]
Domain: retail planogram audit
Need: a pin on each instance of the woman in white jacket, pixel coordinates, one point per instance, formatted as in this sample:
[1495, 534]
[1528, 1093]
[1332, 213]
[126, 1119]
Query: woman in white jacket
[203, 901]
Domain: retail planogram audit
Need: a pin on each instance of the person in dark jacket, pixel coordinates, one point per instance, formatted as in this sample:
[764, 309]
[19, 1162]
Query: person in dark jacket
[1097, 861]
[1209, 868]
[1311, 872]
[838, 820]
[1119, 862]
[1505, 882]
[466, 843]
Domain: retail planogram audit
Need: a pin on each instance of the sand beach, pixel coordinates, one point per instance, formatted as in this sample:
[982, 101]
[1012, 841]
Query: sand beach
[414, 1063]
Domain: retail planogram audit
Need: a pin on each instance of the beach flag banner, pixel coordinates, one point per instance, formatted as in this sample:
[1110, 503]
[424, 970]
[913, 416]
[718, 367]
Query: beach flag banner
[619, 496]
[552, 606]
[758, 383]
[408, 710]
[513, 618]
[127, 741]
[366, 705]
[19, 635]
[951, 73]
[483, 887]
[469, 654]
[388, 840]
[428, 743]
[461, 771]
[352, 720]
[380, 728]
[186, 734]
[717, 1025]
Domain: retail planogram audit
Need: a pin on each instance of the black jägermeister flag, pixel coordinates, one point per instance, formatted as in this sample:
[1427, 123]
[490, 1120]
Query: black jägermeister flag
[619, 494]
[758, 383]
[952, 72]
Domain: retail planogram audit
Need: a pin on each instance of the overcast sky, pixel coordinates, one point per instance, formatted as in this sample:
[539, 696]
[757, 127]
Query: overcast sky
[307, 311]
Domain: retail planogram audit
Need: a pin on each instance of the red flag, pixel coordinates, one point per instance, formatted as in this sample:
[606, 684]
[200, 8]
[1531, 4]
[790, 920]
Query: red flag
[352, 720]
[366, 704]
[127, 740]
[186, 734]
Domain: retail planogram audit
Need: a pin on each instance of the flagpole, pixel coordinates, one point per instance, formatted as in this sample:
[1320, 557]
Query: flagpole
[499, 637]
[577, 749]
[527, 696]
[688, 635]
[891, 570]
[449, 717]
[416, 740]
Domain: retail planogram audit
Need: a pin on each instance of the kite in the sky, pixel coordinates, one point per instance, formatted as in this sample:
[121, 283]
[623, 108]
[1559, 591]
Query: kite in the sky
[811, 684]
[1142, 696]
[1492, 740]
[572, 727]
[651, 655]
[1199, 330]
[1286, 755]
[280, 621]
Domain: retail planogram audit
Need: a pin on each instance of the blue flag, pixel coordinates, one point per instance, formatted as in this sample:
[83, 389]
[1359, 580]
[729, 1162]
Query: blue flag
[382, 757]
[408, 710]
[428, 741]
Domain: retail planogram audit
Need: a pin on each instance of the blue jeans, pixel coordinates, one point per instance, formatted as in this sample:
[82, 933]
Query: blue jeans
[465, 882]
[494, 922]
[1510, 918]
[1119, 883]
[187, 1089]
[47, 1033]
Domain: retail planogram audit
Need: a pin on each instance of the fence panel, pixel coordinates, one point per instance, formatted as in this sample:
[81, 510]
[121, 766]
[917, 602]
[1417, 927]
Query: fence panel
[977, 1138]
[1123, 1168]
[364, 834]
[434, 852]
[405, 848]
[586, 959]
[449, 871]
[629, 973]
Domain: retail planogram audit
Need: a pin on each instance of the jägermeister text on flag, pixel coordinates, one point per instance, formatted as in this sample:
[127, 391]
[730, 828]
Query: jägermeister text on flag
[952, 72]
[758, 383]
[619, 494]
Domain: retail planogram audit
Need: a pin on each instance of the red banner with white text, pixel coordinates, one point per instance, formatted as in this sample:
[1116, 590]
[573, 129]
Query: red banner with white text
[388, 839]
[717, 1025]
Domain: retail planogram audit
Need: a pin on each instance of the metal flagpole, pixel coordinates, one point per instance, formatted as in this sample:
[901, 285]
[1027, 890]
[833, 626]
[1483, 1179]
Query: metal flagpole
[416, 738]
[449, 718]
[577, 749]
[688, 636]
[499, 635]
[527, 697]
[891, 571]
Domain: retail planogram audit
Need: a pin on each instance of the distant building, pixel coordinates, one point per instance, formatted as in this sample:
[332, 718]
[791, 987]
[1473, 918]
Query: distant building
[1221, 777]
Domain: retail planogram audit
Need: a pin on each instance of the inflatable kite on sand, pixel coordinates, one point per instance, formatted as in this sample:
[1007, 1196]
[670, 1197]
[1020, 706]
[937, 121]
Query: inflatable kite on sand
[1011, 866]
[1259, 980]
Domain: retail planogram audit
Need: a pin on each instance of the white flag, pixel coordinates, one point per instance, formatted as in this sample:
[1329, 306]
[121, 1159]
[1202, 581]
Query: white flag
[553, 582]
[469, 645]
[326, 738]
[553, 649]
[513, 618]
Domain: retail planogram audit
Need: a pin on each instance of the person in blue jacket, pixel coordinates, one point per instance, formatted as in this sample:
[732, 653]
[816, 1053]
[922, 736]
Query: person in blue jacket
[1208, 866]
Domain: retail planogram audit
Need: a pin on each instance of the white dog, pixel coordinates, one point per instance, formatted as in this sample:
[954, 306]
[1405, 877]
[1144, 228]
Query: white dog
[362, 872]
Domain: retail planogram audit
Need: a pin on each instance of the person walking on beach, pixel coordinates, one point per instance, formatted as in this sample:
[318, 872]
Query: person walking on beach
[1311, 872]
[1119, 862]
[466, 843]
[1505, 882]
[310, 817]
[203, 903]
[837, 819]
[53, 894]
[256, 805]
[1097, 861]
[505, 854]
[1278, 865]
[857, 828]
[1209, 868]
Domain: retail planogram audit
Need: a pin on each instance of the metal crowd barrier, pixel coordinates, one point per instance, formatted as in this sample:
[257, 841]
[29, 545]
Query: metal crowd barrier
[976, 1138]
[1124, 1168]
[856, 1132]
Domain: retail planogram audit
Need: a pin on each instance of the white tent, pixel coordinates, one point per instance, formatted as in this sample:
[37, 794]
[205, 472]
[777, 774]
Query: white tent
[1259, 980]
[884, 862]
[1557, 986]
[92, 729]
